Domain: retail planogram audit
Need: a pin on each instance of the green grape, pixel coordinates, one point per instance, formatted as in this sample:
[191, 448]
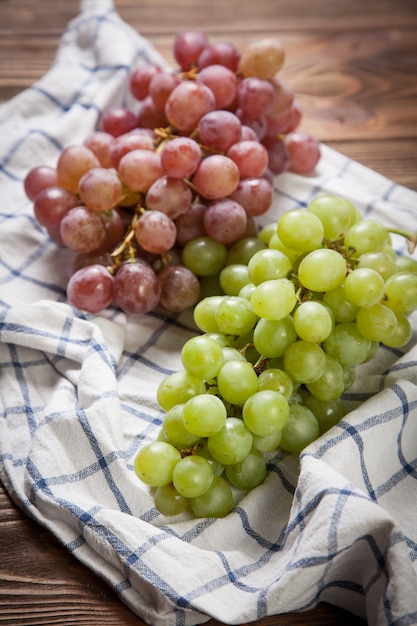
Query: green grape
[237, 381]
[205, 314]
[367, 235]
[301, 429]
[168, 501]
[162, 437]
[247, 291]
[210, 286]
[220, 338]
[336, 214]
[347, 345]
[376, 322]
[313, 321]
[233, 278]
[268, 443]
[202, 357]
[277, 380]
[203, 451]
[300, 230]
[304, 361]
[267, 231]
[268, 264]
[154, 463]
[216, 502]
[174, 429]
[272, 337]
[232, 354]
[406, 264]
[204, 256]
[322, 270]
[331, 383]
[364, 287]
[204, 415]
[249, 473]
[275, 243]
[244, 249]
[192, 476]
[265, 412]
[349, 374]
[235, 316]
[177, 388]
[241, 342]
[274, 299]
[388, 249]
[297, 397]
[343, 310]
[373, 349]
[328, 413]
[232, 443]
[401, 292]
[402, 334]
[381, 261]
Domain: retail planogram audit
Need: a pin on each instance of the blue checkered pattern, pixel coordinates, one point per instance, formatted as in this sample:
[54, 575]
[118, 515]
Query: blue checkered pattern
[78, 400]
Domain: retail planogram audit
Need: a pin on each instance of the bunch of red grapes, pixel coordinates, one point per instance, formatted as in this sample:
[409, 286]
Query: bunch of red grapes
[181, 178]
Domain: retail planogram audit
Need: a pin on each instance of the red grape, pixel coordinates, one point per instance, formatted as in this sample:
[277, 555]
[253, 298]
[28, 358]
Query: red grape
[188, 46]
[155, 232]
[187, 103]
[51, 204]
[90, 288]
[140, 79]
[38, 178]
[118, 121]
[136, 288]
[180, 288]
[82, 230]
[217, 176]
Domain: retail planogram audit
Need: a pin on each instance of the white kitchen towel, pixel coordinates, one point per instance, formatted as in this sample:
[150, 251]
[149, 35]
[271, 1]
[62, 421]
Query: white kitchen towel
[78, 400]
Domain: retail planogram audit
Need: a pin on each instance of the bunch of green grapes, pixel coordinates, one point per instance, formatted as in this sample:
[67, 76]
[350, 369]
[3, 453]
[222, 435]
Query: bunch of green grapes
[298, 309]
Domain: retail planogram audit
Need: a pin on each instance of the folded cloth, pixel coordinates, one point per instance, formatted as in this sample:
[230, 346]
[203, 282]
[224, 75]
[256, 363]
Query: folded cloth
[78, 400]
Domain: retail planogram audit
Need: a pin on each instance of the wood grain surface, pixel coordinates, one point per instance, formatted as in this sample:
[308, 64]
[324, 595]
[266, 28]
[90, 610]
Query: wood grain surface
[353, 65]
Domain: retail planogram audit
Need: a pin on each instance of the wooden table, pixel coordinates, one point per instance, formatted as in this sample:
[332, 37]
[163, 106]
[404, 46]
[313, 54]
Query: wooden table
[353, 65]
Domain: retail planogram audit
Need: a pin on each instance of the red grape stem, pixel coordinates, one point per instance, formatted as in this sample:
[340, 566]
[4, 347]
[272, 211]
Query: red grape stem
[125, 251]
[193, 188]
[164, 134]
[191, 74]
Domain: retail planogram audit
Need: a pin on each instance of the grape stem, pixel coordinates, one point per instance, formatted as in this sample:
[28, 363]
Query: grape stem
[412, 238]
[162, 134]
[189, 451]
[191, 74]
[261, 364]
[125, 250]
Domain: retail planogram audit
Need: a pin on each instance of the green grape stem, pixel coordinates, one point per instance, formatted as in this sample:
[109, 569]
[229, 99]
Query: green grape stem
[412, 238]
[190, 451]
[261, 364]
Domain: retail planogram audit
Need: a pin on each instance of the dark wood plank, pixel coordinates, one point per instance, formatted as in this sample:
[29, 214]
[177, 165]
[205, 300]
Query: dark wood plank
[219, 17]
[354, 71]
